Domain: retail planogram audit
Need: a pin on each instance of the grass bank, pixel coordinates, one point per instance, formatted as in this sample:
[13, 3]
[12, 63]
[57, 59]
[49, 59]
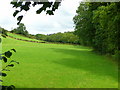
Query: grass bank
[58, 66]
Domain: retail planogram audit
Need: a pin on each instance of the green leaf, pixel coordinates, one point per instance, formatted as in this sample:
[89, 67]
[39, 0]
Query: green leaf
[18, 23]
[8, 54]
[3, 36]
[5, 70]
[48, 4]
[3, 74]
[35, 3]
[56, 5]
[0, 40]
[14, 3]
[11, 87]
[50, 12]
[13, 50]
[0, 57]
[4, 59]
[24, 7]
[11, 65]
[18, 4]
[39, 11]
[15, 61]
[27, 4]
[15, 13]
[19, 19]
[1, 80]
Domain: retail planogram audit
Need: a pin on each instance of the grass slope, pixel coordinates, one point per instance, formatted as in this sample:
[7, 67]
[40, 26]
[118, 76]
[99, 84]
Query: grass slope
[22, 37]
[58, 66]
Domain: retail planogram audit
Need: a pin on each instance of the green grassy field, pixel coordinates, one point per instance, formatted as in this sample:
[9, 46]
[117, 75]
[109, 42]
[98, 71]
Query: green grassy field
[58, 66]
[22, 37]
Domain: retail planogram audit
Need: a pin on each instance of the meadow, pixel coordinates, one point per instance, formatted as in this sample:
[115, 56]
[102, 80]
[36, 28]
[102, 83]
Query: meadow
[58, 66]
[22, 37]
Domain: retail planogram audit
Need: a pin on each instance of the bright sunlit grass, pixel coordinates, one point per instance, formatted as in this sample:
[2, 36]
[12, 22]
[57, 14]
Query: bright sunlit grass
[22, 37]
[58, 66]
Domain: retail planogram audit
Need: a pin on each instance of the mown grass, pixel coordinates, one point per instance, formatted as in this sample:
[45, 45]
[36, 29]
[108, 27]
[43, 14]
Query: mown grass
[58, 66]
[22, 37]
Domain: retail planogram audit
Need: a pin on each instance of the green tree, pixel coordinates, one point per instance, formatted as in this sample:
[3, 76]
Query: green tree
[83, 24]
[21, 29]
[40, 36]
[67, 37]
[96, 24]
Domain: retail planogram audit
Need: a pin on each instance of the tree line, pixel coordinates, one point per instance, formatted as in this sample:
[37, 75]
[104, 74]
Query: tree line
[97, 25]
[66, 37]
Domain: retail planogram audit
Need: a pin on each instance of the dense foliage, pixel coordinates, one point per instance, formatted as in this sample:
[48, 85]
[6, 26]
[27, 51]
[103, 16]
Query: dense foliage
[97, 25]
[21, 29]
[67, 37]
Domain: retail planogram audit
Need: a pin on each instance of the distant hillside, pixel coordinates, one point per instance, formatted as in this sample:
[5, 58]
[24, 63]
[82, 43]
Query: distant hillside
[23, 38]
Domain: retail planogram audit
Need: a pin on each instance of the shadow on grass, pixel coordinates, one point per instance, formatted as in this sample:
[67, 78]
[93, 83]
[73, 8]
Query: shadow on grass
[88, 61]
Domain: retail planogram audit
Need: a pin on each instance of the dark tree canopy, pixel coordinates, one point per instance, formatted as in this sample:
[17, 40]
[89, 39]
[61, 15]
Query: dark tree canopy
[21, 29]
[24, 5]
[96, 24]
[66, 37]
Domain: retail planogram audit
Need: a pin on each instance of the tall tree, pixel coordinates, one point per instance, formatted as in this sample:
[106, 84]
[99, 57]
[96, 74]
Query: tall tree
[96, 24]
[21, 29]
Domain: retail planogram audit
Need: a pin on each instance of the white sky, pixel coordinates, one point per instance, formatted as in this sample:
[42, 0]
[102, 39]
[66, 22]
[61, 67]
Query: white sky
[61, 21]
